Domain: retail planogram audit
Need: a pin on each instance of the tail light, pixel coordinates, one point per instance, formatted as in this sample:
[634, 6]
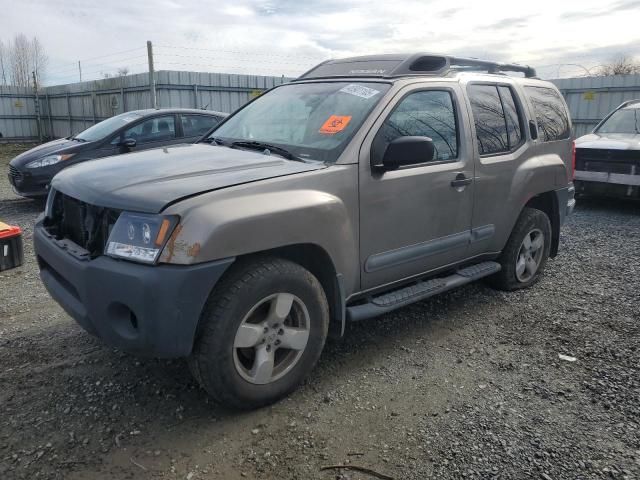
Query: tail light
[573, 160]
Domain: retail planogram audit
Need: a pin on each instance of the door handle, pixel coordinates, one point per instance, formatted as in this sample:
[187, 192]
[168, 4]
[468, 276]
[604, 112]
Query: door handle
[461, 181]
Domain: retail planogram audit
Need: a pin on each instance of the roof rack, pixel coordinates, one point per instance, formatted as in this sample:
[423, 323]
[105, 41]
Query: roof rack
[392, 66]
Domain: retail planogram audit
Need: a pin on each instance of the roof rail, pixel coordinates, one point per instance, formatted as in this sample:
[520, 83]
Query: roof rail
[390, 66]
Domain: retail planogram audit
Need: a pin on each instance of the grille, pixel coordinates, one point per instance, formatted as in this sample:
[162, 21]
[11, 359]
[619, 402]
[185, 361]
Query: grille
[86, 225]
[14, 172]
[607, 160]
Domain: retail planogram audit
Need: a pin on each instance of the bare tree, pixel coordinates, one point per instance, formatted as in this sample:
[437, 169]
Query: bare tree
[121, 72]
[20, 60]
[620, 66]
[22, 57]
[40, 60]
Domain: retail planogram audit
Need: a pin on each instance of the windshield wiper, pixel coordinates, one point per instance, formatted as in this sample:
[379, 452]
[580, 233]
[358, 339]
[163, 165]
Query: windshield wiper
[77, 139]
[268, 147]
[217, 141]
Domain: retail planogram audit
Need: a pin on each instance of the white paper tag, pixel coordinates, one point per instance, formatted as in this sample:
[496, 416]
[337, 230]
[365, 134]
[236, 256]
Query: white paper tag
[359, 91]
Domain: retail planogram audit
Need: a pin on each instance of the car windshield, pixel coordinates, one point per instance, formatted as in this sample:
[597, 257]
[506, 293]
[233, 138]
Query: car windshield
[625, 120]
[107, 127]
[312, 121]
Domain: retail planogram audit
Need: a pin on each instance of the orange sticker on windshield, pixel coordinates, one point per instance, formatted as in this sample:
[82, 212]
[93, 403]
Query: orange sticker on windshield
[335, 124]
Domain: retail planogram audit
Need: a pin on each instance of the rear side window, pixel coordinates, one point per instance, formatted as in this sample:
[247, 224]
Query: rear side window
[197, 125]
[427, 113]
[551, 115]
[511, 116]
[496, 117]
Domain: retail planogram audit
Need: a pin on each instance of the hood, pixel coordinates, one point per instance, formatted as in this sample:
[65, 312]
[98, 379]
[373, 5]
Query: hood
[150, 180]
[610, 141]
[62, 145]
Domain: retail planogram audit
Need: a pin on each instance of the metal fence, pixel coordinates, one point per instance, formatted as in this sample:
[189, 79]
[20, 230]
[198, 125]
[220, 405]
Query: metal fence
[590, 99]
[66, 109]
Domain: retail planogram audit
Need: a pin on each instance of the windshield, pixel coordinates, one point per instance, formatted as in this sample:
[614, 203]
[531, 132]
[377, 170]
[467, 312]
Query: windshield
[626, 120]
[313, 121]
[107, 127]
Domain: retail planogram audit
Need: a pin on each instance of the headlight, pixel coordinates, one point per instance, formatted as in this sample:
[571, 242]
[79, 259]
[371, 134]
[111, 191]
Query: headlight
[140, 237]
[49, 160]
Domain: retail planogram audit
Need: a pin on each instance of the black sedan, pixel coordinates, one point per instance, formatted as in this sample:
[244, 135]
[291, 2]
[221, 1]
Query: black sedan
[31, 172]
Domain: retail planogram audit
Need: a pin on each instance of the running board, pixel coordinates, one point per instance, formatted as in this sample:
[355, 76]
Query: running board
[395, 299]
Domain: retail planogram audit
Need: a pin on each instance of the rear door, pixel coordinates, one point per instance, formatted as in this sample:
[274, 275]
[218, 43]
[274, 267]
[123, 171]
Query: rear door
[195, 126]
[413, 220]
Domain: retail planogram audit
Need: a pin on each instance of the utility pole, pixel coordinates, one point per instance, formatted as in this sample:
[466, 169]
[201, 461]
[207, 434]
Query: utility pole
[80, 70]
[152, 79]
[37, 105]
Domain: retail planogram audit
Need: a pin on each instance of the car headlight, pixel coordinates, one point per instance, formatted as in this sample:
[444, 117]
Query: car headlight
[140, 237]
[49, 160]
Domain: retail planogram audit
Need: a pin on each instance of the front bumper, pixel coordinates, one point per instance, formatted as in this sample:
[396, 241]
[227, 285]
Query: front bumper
[150, 310]
[29, 184]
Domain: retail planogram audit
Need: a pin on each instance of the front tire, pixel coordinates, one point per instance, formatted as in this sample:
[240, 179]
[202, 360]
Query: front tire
[262, 331]
[525, 255]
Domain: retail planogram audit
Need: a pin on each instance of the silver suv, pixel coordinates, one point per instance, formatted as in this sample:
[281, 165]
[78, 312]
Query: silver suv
[365, 185]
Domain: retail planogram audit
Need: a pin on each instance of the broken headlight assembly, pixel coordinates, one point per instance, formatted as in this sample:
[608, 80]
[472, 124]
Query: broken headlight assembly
[140, 237]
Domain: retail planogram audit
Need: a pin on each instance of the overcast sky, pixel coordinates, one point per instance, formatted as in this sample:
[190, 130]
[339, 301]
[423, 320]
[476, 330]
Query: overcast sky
[285, 37]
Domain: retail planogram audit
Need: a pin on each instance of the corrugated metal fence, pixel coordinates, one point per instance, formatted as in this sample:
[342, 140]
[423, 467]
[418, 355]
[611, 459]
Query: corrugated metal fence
[590, 99]
[68, 109]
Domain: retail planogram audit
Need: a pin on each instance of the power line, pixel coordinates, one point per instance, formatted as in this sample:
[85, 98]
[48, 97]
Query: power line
[109, 64]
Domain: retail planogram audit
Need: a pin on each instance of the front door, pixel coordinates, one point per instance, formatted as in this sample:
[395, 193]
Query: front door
[414, 220]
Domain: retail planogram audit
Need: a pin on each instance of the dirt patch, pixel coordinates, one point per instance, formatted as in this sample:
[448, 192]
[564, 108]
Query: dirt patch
[467, 385]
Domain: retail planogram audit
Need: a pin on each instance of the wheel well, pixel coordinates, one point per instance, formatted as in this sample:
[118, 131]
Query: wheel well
[315, 259]
[548, 203]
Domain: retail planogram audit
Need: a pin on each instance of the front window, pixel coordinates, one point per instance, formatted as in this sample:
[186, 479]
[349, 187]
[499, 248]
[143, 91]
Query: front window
[313, 121]
[107, 127]
[625, 120]
[156, 129]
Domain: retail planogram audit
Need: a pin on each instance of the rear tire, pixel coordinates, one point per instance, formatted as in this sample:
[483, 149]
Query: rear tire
[525, 255]
[261, 332]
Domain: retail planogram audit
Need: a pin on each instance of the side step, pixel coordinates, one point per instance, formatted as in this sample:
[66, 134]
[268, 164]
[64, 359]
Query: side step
[395, 299]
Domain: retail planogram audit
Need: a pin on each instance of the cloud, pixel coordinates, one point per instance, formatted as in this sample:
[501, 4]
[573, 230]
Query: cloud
[287, 37]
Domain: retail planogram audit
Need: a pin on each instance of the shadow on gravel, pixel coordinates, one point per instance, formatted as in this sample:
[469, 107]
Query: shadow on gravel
[605, 204]
[62, 367]
[21, 206]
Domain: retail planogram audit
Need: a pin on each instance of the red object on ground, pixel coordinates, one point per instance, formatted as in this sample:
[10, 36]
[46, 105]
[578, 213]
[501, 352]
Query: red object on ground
[11, 253]
[8, 231]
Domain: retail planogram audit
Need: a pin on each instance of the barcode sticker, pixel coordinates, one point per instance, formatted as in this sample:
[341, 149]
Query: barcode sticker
[359, 91]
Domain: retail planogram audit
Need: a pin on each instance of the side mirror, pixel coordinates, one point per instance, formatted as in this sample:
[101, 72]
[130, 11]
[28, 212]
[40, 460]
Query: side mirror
[128, 142]
[407, 151]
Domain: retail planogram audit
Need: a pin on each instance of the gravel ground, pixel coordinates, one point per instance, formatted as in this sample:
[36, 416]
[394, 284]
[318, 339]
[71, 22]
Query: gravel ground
[466, 385]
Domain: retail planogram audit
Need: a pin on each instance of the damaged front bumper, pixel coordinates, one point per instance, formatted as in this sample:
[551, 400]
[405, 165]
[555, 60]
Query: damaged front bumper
[150, 310]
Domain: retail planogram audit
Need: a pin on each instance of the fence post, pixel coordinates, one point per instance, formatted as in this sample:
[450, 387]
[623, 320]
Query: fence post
[49, 113]
[195, 96]
[69, 114]
[37, 106]
[152, 79]
[93, 105]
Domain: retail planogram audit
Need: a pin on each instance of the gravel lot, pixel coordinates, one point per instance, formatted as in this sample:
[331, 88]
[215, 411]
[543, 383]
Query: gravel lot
[466, 385]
